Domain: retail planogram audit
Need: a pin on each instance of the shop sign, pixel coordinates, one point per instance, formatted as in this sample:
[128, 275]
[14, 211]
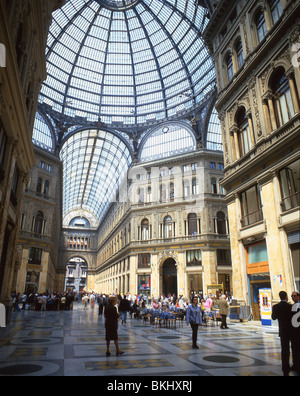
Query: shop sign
[265, 306]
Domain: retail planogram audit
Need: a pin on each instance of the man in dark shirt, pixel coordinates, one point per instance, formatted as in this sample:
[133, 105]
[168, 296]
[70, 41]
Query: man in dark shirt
[295, 338]
[283, 312]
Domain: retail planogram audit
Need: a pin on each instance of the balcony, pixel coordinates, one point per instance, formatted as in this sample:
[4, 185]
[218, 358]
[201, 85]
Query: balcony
[252, 218]
[290, 202]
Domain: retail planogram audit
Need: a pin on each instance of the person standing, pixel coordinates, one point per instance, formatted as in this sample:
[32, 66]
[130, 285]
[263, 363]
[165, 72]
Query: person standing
[283, 313]
[223, 305]
[85, 301]
[111, 325]
[44, 303]
[194, 319]
[295, 337]
[101, 304]
[124, 307]
[93, 299]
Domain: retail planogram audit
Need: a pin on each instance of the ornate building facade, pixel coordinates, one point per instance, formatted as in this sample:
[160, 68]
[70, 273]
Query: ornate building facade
[23, 34]
[255, 51]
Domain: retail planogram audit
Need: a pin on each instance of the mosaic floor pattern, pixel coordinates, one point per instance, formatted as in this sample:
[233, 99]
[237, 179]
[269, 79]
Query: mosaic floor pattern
[73, 344]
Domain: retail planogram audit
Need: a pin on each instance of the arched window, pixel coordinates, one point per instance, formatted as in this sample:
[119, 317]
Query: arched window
[172, 192]
[39, 185]
[276, 9]
[283, 102]
[229, 67]
[145, 230]
[186, 188]
[195, 186]
[244, 138]
[221, 225]
[213, 184]
[239, 53]
[261, 26]
[168, 223]
[221, 189]
[192, 224]
[167, 141]
[38, 223]
[149, 194]
[141, 195]
[46, 187]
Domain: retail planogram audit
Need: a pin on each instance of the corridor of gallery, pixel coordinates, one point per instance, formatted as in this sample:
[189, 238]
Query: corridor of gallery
[73, 344]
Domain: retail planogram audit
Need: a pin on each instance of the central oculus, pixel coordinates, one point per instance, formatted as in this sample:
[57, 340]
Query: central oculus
[118, 5]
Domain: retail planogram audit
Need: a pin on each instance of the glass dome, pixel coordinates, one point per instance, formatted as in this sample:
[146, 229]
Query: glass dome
[128, 62]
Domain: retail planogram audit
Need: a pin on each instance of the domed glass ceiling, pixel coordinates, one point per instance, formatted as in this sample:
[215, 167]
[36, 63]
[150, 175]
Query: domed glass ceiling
[127, 61]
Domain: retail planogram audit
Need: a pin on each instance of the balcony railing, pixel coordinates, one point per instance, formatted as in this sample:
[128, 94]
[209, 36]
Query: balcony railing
[252, 218]
[290, 202]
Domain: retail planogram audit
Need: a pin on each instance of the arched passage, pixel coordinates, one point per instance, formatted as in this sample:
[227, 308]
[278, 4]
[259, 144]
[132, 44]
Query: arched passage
[76, 275]
[169, 277]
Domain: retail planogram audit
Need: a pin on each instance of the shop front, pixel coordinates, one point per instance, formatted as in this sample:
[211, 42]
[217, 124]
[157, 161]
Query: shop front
[258, 274]
[144, 285]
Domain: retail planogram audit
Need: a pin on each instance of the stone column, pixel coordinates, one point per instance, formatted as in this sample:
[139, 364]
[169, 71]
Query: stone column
[133, 271]
[154, 276]
[252, 137]
[239, 273]
[181, 290]
[272, 112]
[277, 266]
[236, 143]
[293, 93]
[44, 272]
[267, 116]
[22, 272]
[209, 263]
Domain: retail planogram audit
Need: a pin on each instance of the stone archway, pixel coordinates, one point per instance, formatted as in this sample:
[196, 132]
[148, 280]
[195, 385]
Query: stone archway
[76, 274]
[169, 277]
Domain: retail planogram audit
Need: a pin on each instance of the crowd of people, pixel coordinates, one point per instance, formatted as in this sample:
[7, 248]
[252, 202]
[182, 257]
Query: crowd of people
[52, 301]
[126, 303]
[116, 308]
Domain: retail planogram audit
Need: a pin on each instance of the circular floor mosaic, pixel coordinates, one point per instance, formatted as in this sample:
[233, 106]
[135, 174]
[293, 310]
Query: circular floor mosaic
[28, 368]
[222, 360]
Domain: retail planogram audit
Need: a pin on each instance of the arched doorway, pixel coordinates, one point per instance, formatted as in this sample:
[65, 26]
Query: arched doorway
[76, 275]
[169, 277]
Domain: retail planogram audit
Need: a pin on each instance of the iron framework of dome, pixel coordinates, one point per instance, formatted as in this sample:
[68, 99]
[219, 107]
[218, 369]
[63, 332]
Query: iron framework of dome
[146, 62]
[119, 71]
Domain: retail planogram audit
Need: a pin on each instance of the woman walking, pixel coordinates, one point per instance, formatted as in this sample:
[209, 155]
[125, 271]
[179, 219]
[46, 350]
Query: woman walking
[194, 318]
[111, 325]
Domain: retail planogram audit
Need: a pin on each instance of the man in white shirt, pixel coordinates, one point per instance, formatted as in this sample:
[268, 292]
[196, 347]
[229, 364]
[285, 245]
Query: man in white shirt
[44, 304]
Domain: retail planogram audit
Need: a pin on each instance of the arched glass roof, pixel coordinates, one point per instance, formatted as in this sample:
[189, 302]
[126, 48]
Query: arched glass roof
[127, 61]
[214, 133]
[42, 135]
[95, 163]
[167, 141]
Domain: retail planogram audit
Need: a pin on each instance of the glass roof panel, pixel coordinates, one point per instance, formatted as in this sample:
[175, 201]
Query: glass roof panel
[94, 163]
[214, 133]
[42, 135]
[167, 141]
[126, 49]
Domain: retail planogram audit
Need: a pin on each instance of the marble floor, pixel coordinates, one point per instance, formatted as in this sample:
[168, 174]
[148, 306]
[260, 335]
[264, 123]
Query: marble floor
[73, 344]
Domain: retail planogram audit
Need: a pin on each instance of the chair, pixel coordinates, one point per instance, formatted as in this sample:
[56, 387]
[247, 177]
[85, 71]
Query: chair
[171, 320]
